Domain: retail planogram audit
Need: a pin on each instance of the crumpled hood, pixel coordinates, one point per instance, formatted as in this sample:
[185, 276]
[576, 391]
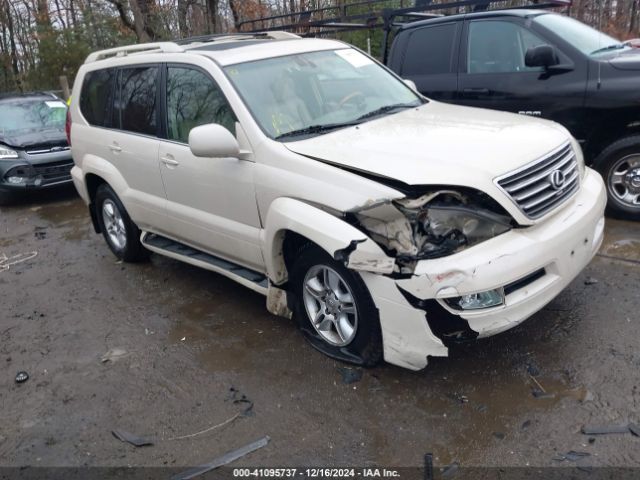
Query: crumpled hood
[438, 144]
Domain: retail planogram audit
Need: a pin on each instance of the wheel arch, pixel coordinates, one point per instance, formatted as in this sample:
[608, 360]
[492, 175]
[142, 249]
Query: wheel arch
[291, 223]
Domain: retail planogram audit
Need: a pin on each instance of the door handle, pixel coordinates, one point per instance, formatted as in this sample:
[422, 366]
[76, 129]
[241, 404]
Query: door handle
[169, 162]
[115, 148]
[477, 91]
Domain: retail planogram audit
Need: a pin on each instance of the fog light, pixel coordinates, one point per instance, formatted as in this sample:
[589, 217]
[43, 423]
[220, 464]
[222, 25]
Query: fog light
[477, 301]
[16, 180]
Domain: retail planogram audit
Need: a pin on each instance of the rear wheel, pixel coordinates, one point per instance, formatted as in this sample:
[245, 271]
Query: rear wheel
[120, 233]
[334, 309]
[619, 165]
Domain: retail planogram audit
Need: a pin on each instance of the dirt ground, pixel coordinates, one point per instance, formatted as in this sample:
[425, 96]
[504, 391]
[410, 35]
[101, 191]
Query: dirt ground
[190, 349]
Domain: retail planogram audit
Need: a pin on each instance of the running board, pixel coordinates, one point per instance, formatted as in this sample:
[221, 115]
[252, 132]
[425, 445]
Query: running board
[170, 248]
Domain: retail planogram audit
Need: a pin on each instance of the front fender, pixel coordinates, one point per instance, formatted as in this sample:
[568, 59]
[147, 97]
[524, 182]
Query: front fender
[341, 240]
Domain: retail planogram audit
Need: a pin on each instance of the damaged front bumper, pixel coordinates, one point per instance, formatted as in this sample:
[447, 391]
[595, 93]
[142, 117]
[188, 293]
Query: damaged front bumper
[531, 265]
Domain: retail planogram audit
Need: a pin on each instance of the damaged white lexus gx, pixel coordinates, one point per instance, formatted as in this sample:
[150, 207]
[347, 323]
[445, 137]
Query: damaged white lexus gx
[389, 226]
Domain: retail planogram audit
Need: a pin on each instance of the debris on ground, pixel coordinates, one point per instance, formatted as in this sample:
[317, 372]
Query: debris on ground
[223, 460]
[7, 262]
[114, 354]
[451, 469]
[244, 413]
[571, 456]
[40, 233]
[540, 392]
[499, 435]
[22, 377]
[350, 375]
[590, 281]
[604, 429]
[611, 429]
[428, 466]
[526, 424]
[131, 438]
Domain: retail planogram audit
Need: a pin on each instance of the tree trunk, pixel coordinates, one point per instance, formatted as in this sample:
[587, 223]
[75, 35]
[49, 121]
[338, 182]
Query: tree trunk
[183, 9]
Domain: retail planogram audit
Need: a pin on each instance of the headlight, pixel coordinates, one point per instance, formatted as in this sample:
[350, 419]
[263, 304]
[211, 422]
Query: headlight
[446, 229]
[434, 225]
[7, 153]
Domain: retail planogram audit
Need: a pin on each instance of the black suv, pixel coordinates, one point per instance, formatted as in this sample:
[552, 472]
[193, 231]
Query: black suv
[537, 63]
[34, 152]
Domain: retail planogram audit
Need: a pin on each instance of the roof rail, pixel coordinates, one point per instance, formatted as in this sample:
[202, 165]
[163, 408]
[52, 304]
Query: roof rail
[165, 47]
[217, 37]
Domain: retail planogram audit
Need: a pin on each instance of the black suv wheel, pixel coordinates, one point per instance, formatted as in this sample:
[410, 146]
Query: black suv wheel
[619, 165]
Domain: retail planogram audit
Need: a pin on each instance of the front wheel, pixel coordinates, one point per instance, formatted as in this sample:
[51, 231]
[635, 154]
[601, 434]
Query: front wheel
[619, 165]
[120, 233]
[334, 309]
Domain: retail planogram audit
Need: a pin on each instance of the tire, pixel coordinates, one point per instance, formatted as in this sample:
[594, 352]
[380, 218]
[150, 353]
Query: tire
[120, 233]
[619, 165]
[362, 345]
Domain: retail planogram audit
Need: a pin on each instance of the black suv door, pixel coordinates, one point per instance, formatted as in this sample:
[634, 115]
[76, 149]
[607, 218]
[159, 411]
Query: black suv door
[429, 56]
[493, 73]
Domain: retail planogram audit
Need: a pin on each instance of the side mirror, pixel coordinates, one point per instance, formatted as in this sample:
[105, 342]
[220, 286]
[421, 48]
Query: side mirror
[213, 140]
[541, 56]
[410, 83]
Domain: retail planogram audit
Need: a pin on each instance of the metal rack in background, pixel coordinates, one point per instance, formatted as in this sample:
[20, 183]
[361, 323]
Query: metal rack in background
[326, 21]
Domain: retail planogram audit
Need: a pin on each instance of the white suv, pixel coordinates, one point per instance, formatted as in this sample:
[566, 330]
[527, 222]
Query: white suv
[388, 225]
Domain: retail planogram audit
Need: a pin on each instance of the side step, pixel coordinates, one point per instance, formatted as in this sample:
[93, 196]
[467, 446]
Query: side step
[165, 246]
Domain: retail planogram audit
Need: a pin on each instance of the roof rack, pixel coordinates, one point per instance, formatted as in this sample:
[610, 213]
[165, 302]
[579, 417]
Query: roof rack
[322, 21]
[176, 46]
[164, 47]
[217, 37]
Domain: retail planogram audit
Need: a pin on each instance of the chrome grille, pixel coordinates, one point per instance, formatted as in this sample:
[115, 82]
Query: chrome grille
[48, 150]
[542, 186]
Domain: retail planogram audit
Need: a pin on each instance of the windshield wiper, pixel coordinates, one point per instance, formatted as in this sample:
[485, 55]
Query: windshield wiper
[617, 46]
[386, 109]
[315, 129]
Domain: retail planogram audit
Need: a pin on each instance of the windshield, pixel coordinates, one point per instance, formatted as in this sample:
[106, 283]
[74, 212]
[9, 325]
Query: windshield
[586, 39]
[312, 93]
[21, 117]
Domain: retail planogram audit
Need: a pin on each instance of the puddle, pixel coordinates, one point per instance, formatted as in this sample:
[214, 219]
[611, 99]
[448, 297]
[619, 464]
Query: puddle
[622, 239]
[71, 216]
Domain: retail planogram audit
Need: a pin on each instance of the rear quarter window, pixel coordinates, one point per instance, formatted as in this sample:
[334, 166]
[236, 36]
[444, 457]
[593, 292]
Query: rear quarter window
[96, 97]
[430, 50]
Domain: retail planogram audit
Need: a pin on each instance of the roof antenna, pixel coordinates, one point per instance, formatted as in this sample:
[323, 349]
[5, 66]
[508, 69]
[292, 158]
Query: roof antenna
[600, 45]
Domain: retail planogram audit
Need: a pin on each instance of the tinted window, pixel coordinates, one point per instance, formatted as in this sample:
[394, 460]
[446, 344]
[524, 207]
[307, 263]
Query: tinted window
[135, 109]
[430, 51]
[96, 95]
[499, 47]
[194, 99]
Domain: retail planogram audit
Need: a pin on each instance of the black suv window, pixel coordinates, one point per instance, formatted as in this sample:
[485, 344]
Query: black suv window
[136, 106]
[194, 99]
[499, 47]
[430, 50]
[96, 96]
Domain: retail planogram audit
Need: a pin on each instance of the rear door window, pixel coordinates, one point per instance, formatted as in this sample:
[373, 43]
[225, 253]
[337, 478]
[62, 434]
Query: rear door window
[136, 106]
[194, 99]
[430, 50]
[96, 97]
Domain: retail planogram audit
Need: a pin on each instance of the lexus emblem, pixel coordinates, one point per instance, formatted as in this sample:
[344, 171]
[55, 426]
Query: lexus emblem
[557, 179]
